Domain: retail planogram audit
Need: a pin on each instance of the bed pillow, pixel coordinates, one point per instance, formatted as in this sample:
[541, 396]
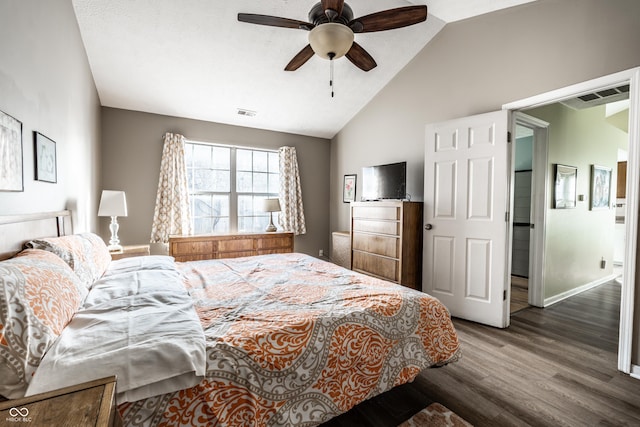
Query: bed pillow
[86, 254]
[39, 294]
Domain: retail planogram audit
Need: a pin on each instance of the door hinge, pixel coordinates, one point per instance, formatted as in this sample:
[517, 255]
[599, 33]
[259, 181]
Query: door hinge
[504, 295]
[508, 136]
[506, 217]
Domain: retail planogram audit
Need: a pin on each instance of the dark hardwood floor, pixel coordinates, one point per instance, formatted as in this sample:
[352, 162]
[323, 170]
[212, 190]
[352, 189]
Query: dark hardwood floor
[552, 367]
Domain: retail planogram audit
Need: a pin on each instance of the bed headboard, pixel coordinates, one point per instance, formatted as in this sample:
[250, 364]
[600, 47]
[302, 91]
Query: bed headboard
[16, 230]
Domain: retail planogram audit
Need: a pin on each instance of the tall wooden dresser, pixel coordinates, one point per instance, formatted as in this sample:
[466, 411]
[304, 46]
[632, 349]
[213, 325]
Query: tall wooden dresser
[386, 241]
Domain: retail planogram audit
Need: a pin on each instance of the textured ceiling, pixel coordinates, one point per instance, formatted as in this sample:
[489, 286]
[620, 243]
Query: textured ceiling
[193, 59]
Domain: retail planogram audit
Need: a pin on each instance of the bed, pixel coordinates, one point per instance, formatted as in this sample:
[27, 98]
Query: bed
[271, 340]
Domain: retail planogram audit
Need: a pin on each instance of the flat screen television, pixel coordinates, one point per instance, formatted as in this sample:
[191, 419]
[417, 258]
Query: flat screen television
[384, 181]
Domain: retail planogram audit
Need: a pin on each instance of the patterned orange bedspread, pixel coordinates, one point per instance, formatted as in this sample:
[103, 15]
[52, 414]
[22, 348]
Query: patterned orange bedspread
[292, 340]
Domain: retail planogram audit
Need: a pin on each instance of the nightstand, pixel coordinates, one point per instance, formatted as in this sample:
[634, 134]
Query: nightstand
[88, 404]
[130, 251]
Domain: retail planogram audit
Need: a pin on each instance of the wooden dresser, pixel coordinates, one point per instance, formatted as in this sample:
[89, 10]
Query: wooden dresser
[88, 404]
[386, 241]
[214, 246]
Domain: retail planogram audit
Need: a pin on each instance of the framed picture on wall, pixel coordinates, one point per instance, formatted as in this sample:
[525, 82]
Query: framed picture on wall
[600, 187]
[11, 154]
[349, 189]
[45, 155]
[566, 178]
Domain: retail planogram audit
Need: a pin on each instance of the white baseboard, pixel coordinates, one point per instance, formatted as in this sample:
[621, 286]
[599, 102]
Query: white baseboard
[635, 372]
[575, 291]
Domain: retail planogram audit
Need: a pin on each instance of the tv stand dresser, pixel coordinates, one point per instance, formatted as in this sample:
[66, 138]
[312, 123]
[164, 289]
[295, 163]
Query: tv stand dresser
[386, 240]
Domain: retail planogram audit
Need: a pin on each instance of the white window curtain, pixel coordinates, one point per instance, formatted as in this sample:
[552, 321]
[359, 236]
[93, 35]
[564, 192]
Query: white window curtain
[173, 213]
[292, 211]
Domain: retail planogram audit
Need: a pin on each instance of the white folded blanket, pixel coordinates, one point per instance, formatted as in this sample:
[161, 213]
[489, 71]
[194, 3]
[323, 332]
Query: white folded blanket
[138, 325]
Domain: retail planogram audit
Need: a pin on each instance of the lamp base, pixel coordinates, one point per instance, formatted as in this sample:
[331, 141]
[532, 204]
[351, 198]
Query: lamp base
[115, 248]
[271, 228]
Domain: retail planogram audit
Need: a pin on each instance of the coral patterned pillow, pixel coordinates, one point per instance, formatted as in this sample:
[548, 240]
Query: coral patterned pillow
[39, 294]
[86, 254]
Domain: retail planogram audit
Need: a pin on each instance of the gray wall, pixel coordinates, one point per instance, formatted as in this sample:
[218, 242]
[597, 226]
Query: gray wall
[477, 65]
[46, 83]
[132, 149]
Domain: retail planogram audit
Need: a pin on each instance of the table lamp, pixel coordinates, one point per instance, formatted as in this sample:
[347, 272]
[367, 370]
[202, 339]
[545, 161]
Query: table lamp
[113, 204]
[271, 206]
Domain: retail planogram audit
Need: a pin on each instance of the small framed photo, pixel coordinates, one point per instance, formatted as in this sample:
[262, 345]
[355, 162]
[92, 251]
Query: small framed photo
[45, 155]
[600, 187]
[349, 189]
[11, 176]
[565, 187]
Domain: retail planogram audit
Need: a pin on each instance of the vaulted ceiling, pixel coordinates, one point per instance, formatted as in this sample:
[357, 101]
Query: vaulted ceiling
[193, 59]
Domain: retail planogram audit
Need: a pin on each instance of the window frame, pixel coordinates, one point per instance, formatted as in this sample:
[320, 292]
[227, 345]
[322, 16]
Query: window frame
[234, 194]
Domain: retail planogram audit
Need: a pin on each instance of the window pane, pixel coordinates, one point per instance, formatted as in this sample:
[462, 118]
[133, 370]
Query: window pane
[243, 160]
[245, 205]
[201, 156]
[202, 206]
[202, 225]
[211, 180]
[210, 213]
[221, 205]
[243, 182]
[221, 225]
[260, 183]
[274, 183]
[260, 161]
[221, 158]
[188, 154]
[245, 224]
[274, 163]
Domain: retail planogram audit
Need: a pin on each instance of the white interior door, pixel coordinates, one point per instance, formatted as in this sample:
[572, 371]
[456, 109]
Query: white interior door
[466, 200]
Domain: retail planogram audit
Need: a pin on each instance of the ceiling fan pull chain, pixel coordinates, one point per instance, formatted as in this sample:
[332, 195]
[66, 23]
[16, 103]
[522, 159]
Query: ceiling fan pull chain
[331, 73]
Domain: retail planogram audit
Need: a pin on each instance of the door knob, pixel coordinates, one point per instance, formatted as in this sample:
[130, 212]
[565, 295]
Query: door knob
[428, 226]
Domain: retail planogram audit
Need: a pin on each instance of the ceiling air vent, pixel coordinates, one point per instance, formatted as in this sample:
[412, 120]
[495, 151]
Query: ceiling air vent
[248, 113]
[600, 97]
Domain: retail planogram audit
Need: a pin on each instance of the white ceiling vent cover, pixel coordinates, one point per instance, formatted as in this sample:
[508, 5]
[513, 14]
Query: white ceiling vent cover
[248, 113]
[600, 97]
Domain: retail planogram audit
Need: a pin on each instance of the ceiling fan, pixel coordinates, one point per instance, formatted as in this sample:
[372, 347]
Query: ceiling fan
[332, 27]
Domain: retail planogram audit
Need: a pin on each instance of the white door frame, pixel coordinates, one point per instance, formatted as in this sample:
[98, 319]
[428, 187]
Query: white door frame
[632, 77]
[539, 203]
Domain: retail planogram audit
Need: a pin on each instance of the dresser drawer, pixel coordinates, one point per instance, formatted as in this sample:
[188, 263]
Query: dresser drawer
[376, 212]
[192, 247]
[371, 226]
[376, 244]
[235, 245]
[385, 268]
[234, 254]
[284, 242]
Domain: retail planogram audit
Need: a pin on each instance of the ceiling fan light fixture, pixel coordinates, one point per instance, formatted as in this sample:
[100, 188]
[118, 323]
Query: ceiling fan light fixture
[331, 38]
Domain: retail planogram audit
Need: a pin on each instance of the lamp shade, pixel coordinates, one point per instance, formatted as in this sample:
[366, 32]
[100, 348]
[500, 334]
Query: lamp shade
[112, 203]
[271, 205]
[331, 38]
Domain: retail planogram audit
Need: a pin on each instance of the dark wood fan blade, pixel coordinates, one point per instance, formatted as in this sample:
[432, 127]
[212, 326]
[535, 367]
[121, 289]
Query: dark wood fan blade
[361, 58]
[389, 19]
[274, 21]
[301, 57]
[333, 5]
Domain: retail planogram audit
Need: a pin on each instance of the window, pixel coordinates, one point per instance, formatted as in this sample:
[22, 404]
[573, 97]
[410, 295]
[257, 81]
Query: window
[227, 185]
